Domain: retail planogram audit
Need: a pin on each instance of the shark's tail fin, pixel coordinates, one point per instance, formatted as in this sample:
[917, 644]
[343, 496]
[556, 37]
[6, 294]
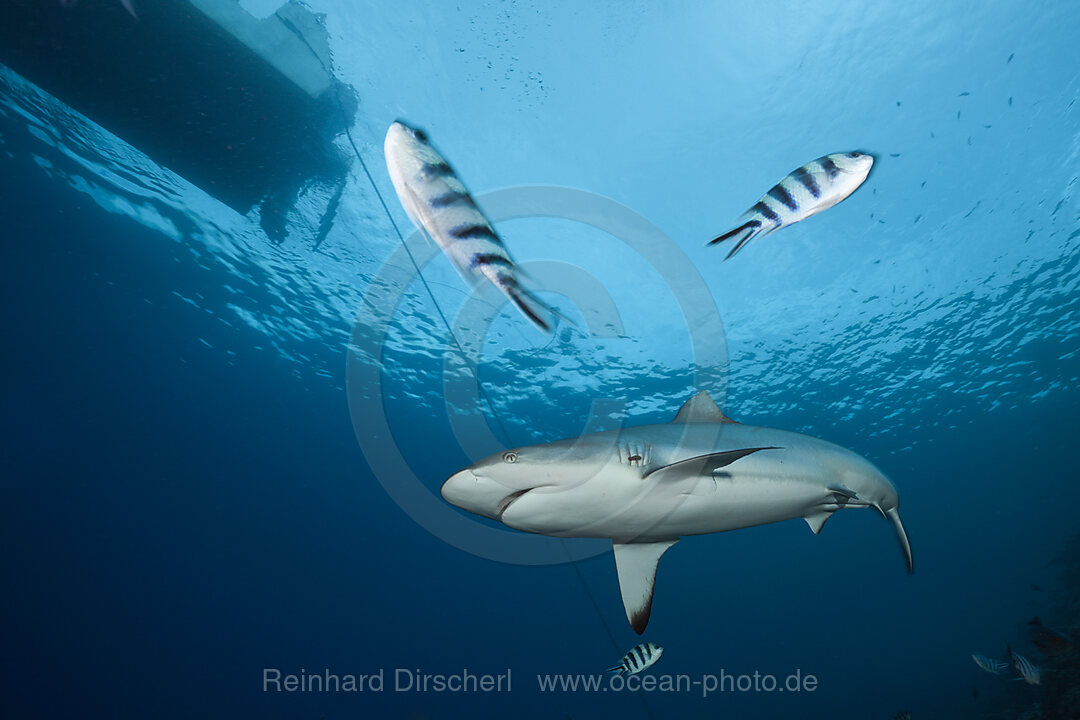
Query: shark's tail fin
[901, 535]
[742, 235]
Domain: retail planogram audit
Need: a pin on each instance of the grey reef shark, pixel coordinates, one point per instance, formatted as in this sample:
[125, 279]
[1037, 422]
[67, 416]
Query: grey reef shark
[646, 487]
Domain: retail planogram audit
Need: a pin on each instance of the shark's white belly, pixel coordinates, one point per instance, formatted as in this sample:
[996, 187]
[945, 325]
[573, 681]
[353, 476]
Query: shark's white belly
[617, 503]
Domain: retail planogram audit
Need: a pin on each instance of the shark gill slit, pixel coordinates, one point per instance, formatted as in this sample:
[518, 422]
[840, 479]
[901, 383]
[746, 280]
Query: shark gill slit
[483, 393]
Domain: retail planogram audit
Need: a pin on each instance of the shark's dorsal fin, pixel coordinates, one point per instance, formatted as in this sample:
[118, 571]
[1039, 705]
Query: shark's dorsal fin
[701, 408]
[702, 464]
[636, 565]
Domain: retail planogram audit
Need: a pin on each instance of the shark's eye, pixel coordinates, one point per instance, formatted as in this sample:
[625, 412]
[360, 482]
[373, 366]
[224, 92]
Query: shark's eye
[854, 154]
[420, 135]
[510, 457]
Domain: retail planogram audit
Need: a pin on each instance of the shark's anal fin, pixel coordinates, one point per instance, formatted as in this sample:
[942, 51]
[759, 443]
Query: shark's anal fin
[703, 464]
[701, 408]
[636, 565]
[816, 519]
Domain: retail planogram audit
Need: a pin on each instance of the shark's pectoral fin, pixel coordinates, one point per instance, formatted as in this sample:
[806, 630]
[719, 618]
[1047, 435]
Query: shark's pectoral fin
[816, 519]
[702, 464]
[701, 408]
[636, 565]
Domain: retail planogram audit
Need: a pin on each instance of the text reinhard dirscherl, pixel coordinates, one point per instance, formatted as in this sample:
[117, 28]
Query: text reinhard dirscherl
[466, 681]
[400, 680]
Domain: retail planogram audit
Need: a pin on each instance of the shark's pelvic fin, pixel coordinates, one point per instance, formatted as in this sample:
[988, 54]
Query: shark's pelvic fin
[636, 565]
[701, 408]
[702, 464]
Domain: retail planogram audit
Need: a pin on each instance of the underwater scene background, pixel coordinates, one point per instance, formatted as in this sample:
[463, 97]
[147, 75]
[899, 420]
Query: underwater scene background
[188, 488]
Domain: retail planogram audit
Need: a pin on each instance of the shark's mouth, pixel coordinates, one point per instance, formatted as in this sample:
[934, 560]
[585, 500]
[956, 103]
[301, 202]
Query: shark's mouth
[512, 498]
[507, 501]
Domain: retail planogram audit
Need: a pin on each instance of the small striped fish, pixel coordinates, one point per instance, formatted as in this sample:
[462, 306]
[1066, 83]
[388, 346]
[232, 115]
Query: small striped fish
[1028, 671]
[816, 186]
[439, 204]
[994, 667]
[902, 716]
[639, 658]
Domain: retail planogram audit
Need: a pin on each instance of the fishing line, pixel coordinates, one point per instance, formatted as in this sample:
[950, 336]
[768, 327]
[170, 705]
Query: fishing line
[464, 357]
[431, 294]
[480, 388]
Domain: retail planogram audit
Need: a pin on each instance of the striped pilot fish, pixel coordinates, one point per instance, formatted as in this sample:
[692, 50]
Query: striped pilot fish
[439, 204]
[903, 715]
[816, 186]
[990, 665]
[639, 658]
[1028, 671]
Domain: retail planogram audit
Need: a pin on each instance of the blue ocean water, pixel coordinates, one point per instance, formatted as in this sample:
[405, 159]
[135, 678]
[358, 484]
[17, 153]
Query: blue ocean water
[185, 500]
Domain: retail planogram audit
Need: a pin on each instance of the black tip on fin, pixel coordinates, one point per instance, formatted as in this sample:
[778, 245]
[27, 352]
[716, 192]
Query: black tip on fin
[730, 233]
[748, 230]
[738, 246]
[640, 620]
[525, 303]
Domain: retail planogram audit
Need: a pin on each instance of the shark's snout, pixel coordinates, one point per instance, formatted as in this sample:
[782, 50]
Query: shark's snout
[480, 495]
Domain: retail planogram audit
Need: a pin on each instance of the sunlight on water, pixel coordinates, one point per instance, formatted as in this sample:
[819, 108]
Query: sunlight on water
[924, 288]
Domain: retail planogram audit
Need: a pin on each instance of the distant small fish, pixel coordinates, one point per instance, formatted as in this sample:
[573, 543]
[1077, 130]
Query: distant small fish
[1011, 56]
[1048, 639]
[816, 186]
[894, 154]
[1036, 588]
[1028, 670]
[1010, 101]
[974, 693]
[439, 204]
[964, 94]
[905, 715]
[639, 658]
[994, 667]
